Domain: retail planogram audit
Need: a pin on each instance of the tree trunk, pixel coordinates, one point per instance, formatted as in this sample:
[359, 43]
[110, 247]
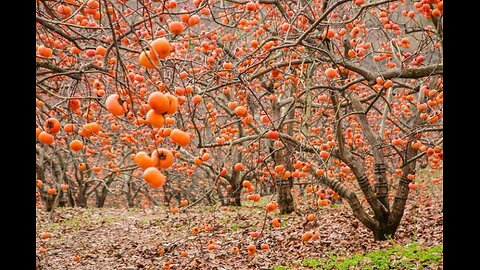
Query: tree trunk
[235, 191]
[49, 200]
[382, 235]
[285, 198]
[81, 198]
[220, 195]
[100, 197]
[129, 196]
[62, 200]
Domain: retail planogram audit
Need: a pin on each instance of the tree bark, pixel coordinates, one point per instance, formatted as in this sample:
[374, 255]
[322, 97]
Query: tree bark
[235, 191]
[284, 186]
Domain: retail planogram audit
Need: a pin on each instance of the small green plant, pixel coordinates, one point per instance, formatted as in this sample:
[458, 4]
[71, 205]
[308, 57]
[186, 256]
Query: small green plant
[234, 227]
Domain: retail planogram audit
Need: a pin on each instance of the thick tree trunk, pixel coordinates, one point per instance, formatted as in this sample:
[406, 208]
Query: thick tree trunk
[235, 191]
[285, 198]
[130, 199]
[100, 197]
[49, 200]
[382, 234]
[81, 198]
[62, 200]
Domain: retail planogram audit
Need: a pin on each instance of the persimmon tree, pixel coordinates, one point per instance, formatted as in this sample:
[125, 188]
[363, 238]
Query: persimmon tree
[225, 96]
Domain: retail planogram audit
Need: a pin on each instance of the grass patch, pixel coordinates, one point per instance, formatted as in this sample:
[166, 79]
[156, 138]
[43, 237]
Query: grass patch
[412, 256]
[237, 226]
[279, 267]
[224, 220]
[108, 220]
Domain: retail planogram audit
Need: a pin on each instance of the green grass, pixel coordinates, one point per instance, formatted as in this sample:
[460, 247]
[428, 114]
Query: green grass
[412, 256]
[281, 268]
[237, 226]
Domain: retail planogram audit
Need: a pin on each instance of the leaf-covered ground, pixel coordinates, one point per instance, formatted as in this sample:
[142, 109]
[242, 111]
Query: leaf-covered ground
[112, 238]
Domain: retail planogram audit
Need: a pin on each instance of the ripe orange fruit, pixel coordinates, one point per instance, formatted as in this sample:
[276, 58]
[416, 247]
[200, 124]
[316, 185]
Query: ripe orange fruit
[251, 249]
[246, 183]
[310, 217]
[163, 157]
[251, 6]
[388, 84]
[193, 20]
[254, 234]
[272, 206]
[239, 167]
[227, 65]
[64, 10]
[51, 125]
[69, 128]
[197, 99]
[176, 27]
[198, 161]
[276, 223]
[93, 4]
[155, 119]
[279, 168]
[46, 235]
[331, 73]
[114, 106]
[161, 48]
[416, 144]
[240, 111]
[179, 137]
[46, 138]
[273, 135]
[413, 186]
[306, 236]
[74, 104]
[159, 102]
[76, 145]
[144, 161]
[82, 166]
[324, 154]
[184, 202]
[147, 60]
[44, 51]
[173, 105]
[205, 157]
[100, 50]
[154, 177]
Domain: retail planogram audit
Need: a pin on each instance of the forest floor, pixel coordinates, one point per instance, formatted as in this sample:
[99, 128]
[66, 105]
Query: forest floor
[114, 238]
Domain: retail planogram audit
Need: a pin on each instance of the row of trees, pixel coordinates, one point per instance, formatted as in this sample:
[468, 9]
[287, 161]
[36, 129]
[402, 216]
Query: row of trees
[345, 94]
